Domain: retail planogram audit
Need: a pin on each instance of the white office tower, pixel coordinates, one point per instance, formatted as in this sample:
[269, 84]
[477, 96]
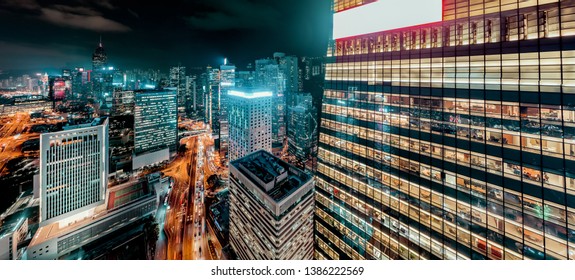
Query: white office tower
[271, 209]
[250, 122]
[73, 172]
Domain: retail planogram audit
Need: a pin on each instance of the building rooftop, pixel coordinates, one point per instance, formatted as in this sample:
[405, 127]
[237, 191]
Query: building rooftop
[126, 193]
[164, 90]
[12, 222]
[275, 177]
[94, 122]
[250, 93]
[118, 197]
[221, 214]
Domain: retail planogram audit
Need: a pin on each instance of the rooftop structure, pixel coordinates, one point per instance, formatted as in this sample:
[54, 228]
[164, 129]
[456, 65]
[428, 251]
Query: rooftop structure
[13, 230]
[271, 209]
[127, 204]
[271, 174]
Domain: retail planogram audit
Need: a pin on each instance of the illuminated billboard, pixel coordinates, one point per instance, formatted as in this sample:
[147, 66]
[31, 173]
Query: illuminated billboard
[385, 15]
[59, 89]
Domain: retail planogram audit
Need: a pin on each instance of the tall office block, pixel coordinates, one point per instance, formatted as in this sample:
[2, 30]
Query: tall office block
[250, 122]
[227, 82]
[99, 58]
[271, 209]
[448, 131]
[178, 81]
[191, 86]
[101, 77]
[73, 172]
[269, 75]
[302, 130]
[212, 98]
[123, 103]
[155, 127]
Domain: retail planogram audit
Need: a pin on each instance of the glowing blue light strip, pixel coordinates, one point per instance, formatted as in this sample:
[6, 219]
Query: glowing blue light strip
[250, 95]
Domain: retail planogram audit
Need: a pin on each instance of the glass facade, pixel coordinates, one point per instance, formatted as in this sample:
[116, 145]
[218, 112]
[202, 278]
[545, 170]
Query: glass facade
[156, 121]
[451, 140]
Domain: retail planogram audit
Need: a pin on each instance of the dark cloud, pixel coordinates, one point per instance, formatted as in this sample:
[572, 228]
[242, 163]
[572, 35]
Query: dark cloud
[20, 4]
[21, 56]
[93, 21]
[78, 10]
[190, 32]
[105, 4]
[81, 17]
[234, 15]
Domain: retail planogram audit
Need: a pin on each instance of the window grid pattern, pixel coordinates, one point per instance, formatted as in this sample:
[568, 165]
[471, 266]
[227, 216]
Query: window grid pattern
[453, 140]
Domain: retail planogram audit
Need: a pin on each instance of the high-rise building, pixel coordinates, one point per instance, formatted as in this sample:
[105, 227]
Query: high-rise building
[102, 75]
[271, 209]
[288, 65]
[212, 98]
[191, 86]
[73, 172]
[227, 82]
[302, 130]
[312, 77]
[99, 58]
[448, 133]
[59, 88]
[245, 79]
[178, 81]
[155, 127]
[250, 122]
[123, 103]
[269, 75]
[80, 81]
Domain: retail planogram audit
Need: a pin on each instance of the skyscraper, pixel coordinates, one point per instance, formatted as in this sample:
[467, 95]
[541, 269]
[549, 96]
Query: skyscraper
[102, 75]
[271, 209]
[178, 81]
[123, 103]
[227, 82]
[99, 57]
[73, 172]
[212, 98]
[250, 122]
[448, 131]
[302, 130]
[79, 81]
[245, 79]
[288, 65]
[155, 127]
[269, 75]
[191, 86]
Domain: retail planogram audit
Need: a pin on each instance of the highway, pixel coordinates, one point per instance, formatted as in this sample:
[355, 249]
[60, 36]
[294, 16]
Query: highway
[177, 200]
[186, 229]
[12, 134]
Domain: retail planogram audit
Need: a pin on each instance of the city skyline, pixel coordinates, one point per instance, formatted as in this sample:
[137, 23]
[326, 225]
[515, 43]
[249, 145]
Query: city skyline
[140, 35]
[427, 130]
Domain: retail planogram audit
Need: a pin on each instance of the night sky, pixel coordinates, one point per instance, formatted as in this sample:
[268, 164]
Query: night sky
[40, 34]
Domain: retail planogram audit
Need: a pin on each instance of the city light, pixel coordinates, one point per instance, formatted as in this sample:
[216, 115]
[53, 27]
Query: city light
[422, 130]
